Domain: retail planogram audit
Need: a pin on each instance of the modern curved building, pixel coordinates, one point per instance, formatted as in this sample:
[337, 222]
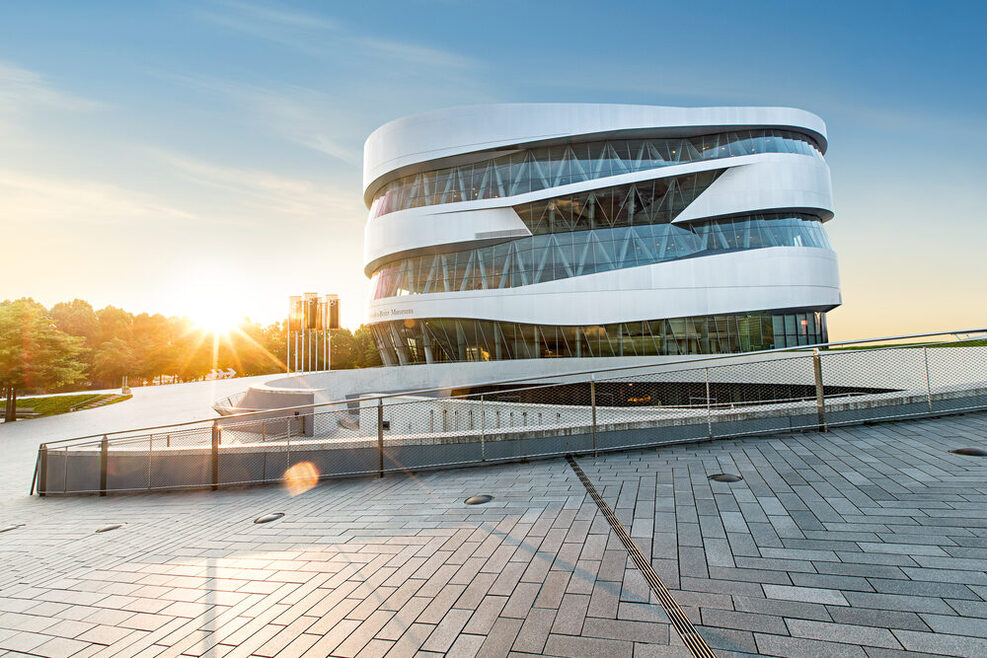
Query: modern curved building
[523, 231]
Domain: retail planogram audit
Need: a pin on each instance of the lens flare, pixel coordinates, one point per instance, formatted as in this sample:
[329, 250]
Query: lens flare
[300, 478]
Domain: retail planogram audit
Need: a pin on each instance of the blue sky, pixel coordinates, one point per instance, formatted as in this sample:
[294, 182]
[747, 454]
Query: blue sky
[164, 155]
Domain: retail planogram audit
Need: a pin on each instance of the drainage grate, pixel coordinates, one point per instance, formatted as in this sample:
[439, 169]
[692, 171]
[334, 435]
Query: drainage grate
[726, 477]
[690, 636]
[970, 452]
[478, 500]
[107, 528]
[267, 518]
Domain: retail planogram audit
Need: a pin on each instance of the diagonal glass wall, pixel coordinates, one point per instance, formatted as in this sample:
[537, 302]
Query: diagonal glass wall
[542, 258]
[437, 340]
[532, 169]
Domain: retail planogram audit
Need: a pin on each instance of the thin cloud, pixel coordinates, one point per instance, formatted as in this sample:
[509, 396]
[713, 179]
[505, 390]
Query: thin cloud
[265, 192]
[320, 36]
[31, 199]
[22, 90]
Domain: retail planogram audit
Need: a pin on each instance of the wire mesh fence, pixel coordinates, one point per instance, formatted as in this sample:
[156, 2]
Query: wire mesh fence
[616, 409]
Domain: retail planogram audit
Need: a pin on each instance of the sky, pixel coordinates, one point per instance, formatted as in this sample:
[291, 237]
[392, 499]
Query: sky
[177, 156]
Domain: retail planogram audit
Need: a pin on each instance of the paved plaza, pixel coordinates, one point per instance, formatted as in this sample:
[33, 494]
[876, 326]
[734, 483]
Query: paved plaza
[863, 541]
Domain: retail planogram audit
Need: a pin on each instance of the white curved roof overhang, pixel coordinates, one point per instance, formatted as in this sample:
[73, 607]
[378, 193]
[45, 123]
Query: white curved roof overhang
[443, 137]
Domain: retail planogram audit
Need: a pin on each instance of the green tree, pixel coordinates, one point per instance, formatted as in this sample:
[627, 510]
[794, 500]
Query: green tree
[365, 348]
[78, 319]
[34, 354]
[342, 349]
[113, 360]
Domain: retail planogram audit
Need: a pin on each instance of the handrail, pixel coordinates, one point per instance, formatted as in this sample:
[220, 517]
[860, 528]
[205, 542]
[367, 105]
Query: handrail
[122, 434]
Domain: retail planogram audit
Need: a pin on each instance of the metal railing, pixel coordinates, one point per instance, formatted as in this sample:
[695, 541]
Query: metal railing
[810, 387]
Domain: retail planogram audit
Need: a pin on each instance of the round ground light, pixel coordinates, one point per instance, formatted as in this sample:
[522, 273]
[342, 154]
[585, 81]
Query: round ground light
[725, 477]
[107, 528]
[478, 500]
[970, 452]
[267, 518]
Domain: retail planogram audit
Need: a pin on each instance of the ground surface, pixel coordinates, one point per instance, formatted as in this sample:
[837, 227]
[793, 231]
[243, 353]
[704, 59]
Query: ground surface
[869, 540]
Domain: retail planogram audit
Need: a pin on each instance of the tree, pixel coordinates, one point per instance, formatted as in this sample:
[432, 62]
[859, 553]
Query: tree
[365, 348]
[342, 349]
[34, 354]
[114, 359]
[77, 318]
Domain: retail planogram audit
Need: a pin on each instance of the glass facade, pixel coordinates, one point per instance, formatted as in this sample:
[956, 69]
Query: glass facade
[657, 201]
[542, 258]
[437, 340]
[539, 168]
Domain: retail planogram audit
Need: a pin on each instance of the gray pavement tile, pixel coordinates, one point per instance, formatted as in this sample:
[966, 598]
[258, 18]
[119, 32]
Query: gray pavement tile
[727, 641]
[942, 644]
[898, 602]
[805, 594]
[878, 618]
[580, 647]
[779, 645]
[862, 635]
[445, 633]
[535, 630]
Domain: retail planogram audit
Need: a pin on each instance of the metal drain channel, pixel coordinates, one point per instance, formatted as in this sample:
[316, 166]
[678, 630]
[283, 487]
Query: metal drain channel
[690, 636]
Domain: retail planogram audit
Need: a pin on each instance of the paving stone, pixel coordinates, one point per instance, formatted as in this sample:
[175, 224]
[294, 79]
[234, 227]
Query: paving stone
[805, 594]
[779, 645]
[942, 644]
[863, 635]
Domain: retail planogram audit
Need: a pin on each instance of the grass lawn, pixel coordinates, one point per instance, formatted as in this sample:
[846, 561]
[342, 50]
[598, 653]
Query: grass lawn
[60, 404]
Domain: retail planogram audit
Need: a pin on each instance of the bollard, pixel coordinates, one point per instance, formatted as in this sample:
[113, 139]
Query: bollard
[928, 379]
[709, 409]
[217, 437]
[592, 402]
[104, 449]
[380, 437]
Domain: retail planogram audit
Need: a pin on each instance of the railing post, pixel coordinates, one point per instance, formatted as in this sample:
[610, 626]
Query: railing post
[709, 408]
[592, 402]
[380, 437]
[217, 438]
[483, 427]
[928, 379]
[820, 391]
[43, 470]
[104, 450]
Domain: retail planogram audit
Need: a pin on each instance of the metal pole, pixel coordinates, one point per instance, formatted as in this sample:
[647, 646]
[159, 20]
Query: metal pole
[104, 447]
[483, 425]
[380, 437]
[928, 379]
[287, 346]
[216, 439]
[592, 402]
[820, 391]
[43, 468]
[709, 408]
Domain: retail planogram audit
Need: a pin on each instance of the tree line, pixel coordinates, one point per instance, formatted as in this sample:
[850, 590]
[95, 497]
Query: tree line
[72, 345]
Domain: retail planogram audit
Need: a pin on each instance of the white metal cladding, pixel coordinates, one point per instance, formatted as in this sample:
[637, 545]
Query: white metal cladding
[735, 282]
[746, 280]
[459, 130]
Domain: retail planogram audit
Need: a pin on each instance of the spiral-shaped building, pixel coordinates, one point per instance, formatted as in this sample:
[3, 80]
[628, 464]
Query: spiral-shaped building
[522, 231]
